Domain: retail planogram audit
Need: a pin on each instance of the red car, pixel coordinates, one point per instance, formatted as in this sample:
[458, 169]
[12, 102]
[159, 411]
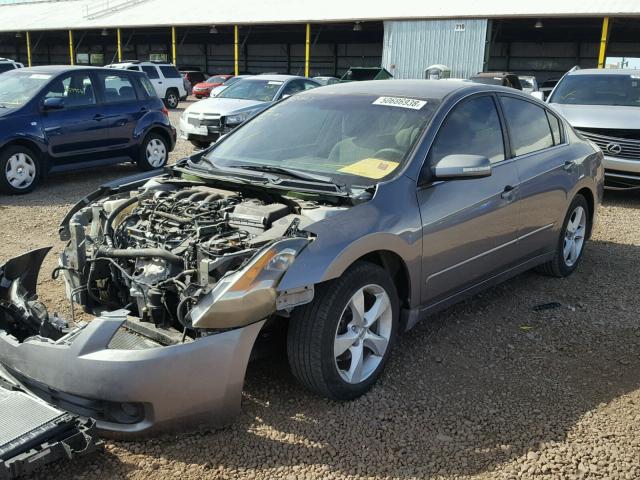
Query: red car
[203, 89]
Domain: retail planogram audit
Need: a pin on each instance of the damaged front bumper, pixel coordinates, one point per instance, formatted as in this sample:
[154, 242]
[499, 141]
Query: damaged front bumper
[110, 370]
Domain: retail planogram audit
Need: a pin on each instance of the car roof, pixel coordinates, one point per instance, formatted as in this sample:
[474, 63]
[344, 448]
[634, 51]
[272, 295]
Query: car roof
[408, 88]
[276, 77]
[605, 71]
[55, 69]
[492, 74]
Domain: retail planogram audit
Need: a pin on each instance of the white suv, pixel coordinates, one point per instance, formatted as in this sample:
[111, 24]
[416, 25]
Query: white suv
[165, 77]
[7, 64]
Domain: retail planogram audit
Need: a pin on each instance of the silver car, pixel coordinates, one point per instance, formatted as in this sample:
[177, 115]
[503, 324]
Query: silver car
[340, 216]
[205, 121]
[604, 106]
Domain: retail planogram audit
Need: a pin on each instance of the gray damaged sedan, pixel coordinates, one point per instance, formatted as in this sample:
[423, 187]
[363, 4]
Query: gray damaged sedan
[339, 217]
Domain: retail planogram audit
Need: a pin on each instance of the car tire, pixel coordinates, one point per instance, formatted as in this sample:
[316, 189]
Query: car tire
[200, 145]
[154, 152]
[573, 237]
[172, 98]
[325, 337]
[20, 169]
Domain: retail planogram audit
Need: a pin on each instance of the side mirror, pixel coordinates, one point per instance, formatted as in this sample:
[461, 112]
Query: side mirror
[53, 103]
[462, 166]
[538, 95]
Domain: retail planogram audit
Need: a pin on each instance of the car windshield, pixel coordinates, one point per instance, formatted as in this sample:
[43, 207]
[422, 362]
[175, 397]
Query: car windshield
[216, 79]
[260, 90]
[601, 89]
[526, 83]
[18, 87]
[353, 139]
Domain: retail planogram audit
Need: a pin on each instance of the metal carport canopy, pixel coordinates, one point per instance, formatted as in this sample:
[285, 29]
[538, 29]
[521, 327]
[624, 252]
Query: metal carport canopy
[70, 14]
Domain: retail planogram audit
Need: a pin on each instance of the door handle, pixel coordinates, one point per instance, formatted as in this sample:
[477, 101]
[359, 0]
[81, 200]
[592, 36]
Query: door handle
[568, 165]
[508, 193]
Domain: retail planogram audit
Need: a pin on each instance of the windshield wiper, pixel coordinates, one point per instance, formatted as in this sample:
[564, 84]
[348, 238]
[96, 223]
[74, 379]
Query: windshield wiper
[287, 171]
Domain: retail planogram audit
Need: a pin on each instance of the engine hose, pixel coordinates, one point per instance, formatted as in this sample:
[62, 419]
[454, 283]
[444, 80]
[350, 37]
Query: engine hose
[140, 253]
[108, 228]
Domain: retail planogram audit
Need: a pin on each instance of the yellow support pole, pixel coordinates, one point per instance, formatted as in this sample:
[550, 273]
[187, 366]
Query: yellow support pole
[28, 49]
[236, 68]
[119, 47]
[173, 45]
[604, 39]
[307, 46]
[71, 48]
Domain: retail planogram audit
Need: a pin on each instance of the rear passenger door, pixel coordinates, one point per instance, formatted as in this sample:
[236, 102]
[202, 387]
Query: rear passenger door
[540, 152]
[470, 226]
[121, 109]
[156, 79]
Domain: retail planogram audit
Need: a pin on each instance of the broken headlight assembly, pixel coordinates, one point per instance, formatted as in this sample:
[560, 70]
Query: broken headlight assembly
[248, 294]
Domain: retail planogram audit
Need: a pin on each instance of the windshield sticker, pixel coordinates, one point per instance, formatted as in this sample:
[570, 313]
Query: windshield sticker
[370, 168]
[40, 76]
[274, 82]
[401, 102]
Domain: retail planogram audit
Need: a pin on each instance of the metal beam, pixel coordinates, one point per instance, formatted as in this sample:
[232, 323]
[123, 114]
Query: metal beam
[71, 48]
[235, 50]
[119, 46]
[604, 39]
[307, 49]
[28, 37]
[173, 46]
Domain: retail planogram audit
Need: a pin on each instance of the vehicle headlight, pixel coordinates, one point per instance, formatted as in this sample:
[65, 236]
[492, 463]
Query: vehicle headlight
[248, 295]
[237, 119]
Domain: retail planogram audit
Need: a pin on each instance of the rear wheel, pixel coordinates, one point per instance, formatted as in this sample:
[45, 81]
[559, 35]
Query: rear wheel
[20, 168]
[200, 145]
[154, 152]
[573, 236]
[172, 98]
[339, 344]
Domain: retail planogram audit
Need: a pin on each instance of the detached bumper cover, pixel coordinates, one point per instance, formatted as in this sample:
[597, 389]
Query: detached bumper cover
[176, 386]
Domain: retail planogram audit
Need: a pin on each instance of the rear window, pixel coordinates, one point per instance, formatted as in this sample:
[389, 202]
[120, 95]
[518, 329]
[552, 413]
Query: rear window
[117, 87]
[170, 72]
[528, 126]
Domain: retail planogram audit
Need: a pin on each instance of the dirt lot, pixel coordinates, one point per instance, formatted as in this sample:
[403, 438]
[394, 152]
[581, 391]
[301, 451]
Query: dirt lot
[489, 389]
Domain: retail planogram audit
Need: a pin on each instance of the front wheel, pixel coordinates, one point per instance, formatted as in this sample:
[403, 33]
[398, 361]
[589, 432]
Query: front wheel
[154, 152]
[20, 168]
[339, 343]
[573, 236]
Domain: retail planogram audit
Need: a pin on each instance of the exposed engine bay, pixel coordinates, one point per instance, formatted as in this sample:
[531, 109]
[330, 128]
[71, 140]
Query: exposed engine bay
[159, 251]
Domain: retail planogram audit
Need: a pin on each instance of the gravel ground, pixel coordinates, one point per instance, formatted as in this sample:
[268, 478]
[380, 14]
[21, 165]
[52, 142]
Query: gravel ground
[488, 389]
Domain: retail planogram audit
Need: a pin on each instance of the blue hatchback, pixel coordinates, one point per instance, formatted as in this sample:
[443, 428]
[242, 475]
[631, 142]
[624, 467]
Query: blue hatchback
[55, 119]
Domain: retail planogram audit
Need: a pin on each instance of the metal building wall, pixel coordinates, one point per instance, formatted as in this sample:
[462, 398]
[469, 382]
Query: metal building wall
[411, 46]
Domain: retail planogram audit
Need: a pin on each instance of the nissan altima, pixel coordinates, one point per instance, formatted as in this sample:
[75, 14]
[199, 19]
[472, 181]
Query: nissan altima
[340, 216]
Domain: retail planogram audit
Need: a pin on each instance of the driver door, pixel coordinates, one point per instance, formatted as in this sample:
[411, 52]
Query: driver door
[469, 226]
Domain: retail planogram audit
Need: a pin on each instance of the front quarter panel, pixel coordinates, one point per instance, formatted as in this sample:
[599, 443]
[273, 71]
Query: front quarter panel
[388, 222]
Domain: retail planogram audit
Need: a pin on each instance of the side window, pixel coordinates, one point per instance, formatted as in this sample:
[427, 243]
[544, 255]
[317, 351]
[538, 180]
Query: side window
[472, 128]
[117, 87]
[151, 71]
[293, 87]
[169, 71]
[528, 126]
[137, 69]
[555, 128]
[147, 86]
[309, 85]
[76, 89]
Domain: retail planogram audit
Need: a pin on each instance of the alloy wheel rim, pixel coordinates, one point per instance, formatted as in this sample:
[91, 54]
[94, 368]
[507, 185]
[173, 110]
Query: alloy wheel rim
[172, 99]
[574, 236]
[20, 171]
[156, 153]
[363, 333]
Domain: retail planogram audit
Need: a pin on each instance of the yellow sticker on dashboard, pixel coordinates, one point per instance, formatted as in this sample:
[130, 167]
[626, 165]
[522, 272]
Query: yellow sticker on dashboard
[370, 168]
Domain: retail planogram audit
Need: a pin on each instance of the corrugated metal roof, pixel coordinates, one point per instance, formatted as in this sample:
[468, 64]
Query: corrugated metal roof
[71, 14]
